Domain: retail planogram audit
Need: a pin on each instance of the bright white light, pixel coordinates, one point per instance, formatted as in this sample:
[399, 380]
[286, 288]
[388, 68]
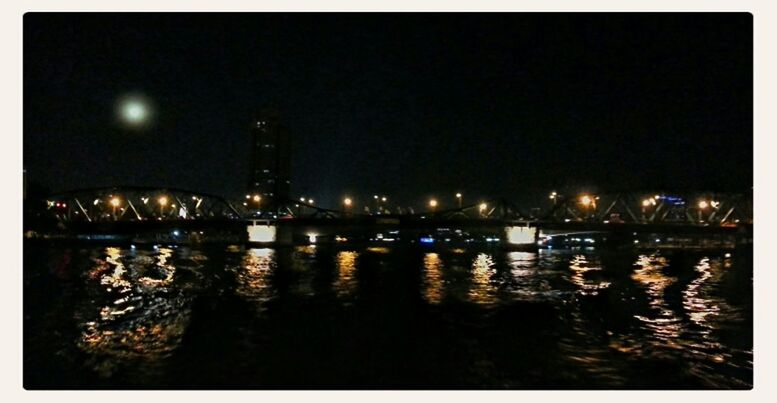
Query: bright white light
[261, 233]
[521, 235]
[134, 110]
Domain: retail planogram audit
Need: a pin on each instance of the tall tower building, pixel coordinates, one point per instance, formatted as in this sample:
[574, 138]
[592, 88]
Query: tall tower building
[270, 165]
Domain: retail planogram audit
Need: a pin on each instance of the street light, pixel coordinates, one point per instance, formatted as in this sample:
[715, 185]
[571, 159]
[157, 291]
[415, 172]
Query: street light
[482, 208]
[257, 198]
[702, 206]
[162, 203]
[347, 203]
[458, 198]
[115, 203]
[587, 202]
[433, 204]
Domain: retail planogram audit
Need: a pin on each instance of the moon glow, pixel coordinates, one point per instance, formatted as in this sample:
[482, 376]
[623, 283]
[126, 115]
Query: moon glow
[134, 111]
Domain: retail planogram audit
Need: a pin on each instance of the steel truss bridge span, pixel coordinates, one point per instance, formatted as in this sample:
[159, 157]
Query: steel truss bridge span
[138, 204]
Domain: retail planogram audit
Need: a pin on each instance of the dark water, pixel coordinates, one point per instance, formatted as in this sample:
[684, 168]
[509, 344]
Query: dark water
[376, 317]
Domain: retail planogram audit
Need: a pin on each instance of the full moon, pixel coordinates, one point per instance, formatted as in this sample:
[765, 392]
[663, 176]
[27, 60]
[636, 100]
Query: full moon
[134, 110]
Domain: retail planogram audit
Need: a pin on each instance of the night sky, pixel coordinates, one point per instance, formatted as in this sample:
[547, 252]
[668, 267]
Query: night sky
[406, 105]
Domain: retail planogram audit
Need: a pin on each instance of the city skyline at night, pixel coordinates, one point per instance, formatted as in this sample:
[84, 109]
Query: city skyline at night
[523, 103]
[388, 201]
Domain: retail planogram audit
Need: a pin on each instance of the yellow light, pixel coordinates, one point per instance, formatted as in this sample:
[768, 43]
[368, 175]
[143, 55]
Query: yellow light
[257, 198]
[163, 201]
[115, 202]
[347, 201]
[483, 207]
[383, 198]
[645, 203]
[433, 203]
[458, 195]
[703, 204]
[310, 201]
[586, 200]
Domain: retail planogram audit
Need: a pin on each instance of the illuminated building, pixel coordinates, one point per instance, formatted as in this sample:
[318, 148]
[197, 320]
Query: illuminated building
[270, 164]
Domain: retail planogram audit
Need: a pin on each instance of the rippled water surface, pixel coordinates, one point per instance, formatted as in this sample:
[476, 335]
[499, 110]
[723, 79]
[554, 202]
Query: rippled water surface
[379, 317]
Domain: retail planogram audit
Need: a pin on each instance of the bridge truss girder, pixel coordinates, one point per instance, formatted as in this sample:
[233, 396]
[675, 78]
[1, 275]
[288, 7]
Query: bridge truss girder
[703, 208]
[137, 204]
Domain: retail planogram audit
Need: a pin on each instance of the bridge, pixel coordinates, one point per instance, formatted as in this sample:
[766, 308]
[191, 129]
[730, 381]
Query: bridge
[178, 215]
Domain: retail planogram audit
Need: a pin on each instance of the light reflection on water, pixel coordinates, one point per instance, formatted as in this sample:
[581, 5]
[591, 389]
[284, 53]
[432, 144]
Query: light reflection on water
[142, 319]
[608, 314]
[662, 321]
[253, 277]
[482, 290]
[346, 284]
[433, 280]
[581, 268]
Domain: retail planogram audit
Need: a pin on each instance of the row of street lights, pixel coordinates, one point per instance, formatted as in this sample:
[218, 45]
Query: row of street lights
[116, 203]
[348, 202]
[590, 201]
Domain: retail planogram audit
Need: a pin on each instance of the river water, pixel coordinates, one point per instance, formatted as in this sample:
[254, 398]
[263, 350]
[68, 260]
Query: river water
[385, 317]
